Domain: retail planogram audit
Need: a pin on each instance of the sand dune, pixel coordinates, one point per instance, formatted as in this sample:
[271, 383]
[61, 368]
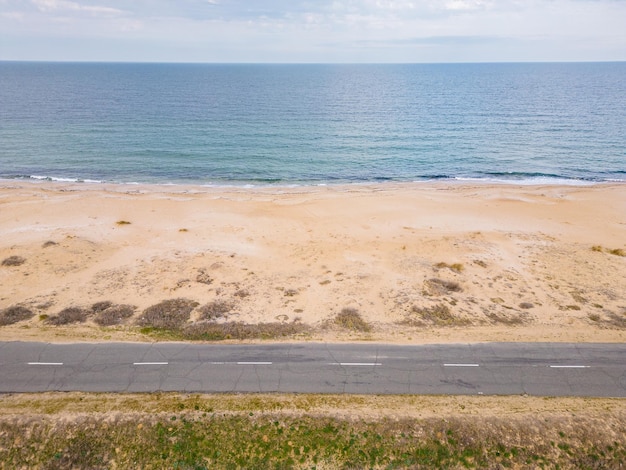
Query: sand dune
[418, 262]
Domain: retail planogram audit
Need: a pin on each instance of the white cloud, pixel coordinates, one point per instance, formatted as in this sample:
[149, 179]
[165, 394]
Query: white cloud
[12, 15]
[314, 30]
[66, 5]
[466, 5]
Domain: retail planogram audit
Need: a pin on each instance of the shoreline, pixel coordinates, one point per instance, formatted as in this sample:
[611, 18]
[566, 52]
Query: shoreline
[253, 186]
[531, 262]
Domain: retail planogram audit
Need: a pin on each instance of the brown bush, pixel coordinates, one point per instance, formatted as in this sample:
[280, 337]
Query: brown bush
[169, 315]
[13, 261]
[114, 315]
[15, 314]
[216, 309]
[101, 306]
[69, 315]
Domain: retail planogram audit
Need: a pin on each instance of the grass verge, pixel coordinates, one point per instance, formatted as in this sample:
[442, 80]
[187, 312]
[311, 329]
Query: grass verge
[308, 431]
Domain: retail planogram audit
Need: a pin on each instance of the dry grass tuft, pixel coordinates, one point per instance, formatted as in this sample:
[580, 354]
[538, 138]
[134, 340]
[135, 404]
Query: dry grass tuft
[438, 315]
[615, 251]
[13, 261]
[610, 320]
[170, 314]
[15, 314]
[350, 319]
[456, 267]
[215, 310]
[511, 320]
[616, 320]
[69, 315]
[113, 314]
[438, 286]
[594, 317]
[48, 244]
[122, 222]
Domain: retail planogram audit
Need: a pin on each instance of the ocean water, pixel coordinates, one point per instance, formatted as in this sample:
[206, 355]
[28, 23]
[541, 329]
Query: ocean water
[312, 124]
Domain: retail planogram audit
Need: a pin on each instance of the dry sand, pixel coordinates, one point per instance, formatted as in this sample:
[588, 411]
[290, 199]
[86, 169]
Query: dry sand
[509, 263]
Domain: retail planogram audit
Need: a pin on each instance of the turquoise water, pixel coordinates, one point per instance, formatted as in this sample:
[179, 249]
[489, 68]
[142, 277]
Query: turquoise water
[312, 124]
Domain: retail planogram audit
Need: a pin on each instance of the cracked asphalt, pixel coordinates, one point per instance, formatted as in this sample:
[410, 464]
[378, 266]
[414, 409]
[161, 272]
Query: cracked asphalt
[539, 369]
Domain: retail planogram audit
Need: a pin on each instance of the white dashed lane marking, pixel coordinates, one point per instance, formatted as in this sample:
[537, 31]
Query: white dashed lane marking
[45, 363]
[461, 365]
[569, 367]
[356, 364]
[150, 363]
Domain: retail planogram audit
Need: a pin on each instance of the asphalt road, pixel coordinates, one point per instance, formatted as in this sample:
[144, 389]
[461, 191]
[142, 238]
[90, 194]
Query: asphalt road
[545, 369]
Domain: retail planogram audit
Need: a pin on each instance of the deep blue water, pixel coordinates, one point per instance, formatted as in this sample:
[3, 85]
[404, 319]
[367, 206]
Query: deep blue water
[312, 124]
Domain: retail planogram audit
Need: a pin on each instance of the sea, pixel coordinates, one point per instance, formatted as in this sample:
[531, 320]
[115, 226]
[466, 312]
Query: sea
[312, 124]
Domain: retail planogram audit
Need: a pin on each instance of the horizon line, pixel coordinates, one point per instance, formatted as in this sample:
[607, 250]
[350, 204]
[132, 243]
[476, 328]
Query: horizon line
[147, 62]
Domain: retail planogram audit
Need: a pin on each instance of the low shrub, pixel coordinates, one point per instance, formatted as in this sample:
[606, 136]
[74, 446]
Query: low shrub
[170, 314]
[101, 306]
[203, 277]
[114, 315]
[13, 261]
[240, 330]
[15, 314]
[350, 319]
[216, 309]
[69, 315]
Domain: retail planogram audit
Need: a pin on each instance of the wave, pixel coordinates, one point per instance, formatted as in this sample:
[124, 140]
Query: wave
[62, 179]
[519, 178]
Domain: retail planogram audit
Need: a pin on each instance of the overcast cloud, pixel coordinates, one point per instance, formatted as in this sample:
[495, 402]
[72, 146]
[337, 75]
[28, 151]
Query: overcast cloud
[313, 31]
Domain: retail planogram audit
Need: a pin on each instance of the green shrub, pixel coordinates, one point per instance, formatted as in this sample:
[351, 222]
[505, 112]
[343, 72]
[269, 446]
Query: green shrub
[240, 330]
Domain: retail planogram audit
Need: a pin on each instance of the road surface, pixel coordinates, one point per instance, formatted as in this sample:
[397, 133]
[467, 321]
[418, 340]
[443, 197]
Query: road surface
[544, 369]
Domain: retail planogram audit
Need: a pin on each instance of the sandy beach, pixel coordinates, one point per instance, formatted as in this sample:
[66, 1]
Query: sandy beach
[418, 263]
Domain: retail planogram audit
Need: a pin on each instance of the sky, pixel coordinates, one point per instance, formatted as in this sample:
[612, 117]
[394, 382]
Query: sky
[313, 31]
